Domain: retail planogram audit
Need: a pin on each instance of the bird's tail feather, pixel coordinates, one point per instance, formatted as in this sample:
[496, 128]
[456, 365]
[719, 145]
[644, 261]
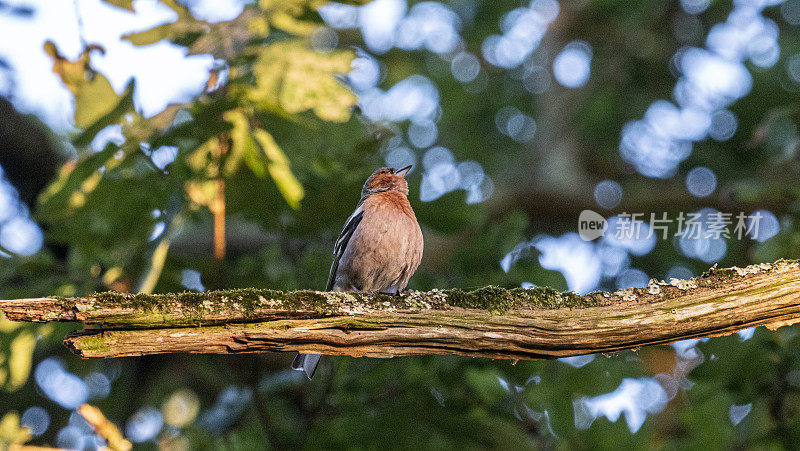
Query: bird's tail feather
[307, 363]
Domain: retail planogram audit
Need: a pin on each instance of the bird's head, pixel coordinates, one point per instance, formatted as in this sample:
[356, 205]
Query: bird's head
[387, 179]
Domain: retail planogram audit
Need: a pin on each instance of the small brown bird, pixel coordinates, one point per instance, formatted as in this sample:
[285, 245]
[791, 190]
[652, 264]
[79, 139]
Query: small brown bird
[380, 246]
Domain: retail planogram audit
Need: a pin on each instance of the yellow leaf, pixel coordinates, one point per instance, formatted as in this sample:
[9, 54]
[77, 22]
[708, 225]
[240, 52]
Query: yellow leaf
[291, 189]
[124, 4]
[287, 184]
[93, 100]
[290, 24]
[182, 11]
[11, 433]
[296, 78]
[201, 159]
[94, 96]
[270, 147]
[112, 275]
[104, 428]
[20, 360]
[6, 325]
[202, 192]
[45, 330]
[259, 26]
[156, 266]
[241, 141]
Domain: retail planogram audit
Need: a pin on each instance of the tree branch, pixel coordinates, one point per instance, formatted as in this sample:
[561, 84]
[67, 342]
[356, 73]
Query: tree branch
[489, 322]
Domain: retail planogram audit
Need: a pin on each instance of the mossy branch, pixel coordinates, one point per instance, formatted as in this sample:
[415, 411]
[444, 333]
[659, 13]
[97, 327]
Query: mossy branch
[489, 322]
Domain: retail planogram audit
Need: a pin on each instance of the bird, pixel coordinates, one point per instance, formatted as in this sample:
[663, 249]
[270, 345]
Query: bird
[379, 248]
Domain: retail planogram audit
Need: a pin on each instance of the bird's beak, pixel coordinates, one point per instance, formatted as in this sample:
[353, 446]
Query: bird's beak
[403, 172]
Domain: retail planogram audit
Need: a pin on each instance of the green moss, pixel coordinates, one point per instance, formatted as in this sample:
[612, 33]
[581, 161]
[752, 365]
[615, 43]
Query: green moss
[94, 343]
[152, 309]
[274, 325]
[357, 324]
[146, 319]
[499, 300]
[727, 273]
[302, 300]
[244, 300]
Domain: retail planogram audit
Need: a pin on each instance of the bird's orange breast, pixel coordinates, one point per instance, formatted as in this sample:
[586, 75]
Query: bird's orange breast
[391, 201]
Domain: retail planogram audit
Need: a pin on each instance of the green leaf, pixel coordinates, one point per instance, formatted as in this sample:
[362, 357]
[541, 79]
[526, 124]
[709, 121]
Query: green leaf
[253, 160]
[291, 189]
[450, 214]
[224, 39]
[76, 180]
[94, 100]
[124, 106]
[151, 36]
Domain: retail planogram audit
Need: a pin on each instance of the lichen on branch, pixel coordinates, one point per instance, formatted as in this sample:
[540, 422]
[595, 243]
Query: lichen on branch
[488, 322]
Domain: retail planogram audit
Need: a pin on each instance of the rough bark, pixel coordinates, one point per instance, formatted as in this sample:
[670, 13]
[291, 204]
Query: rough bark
[490, 322]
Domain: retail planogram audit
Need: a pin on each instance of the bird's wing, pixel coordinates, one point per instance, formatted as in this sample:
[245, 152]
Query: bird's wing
[341, 243]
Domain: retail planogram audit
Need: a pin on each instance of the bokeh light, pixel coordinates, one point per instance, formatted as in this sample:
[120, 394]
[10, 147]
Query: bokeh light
[790, 10]
[702, 235]
[762, 225]
[523, 29]
[631, 234]
[465, 67]
[578, 361]
[632, 278]
[190, 279]
[608, 194]
[110, 134]
[737, 413]
[36, 419]
[216, 10]
[229, 405]
[723, 125]
[98, 384]
[571, 67]
[575, 258]
[59, 385]
[634, 397]
[70, 437]
[401, 157]
[701, 181]
[515, 124]
[422, 134]
[144, 425]
[695, 6]
[181, 408]
[21, 236]
[710, 80]
[678, 272]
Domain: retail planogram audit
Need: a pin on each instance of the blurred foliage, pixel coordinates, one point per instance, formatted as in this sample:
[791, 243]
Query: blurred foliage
[11, 433]
[273, 146]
